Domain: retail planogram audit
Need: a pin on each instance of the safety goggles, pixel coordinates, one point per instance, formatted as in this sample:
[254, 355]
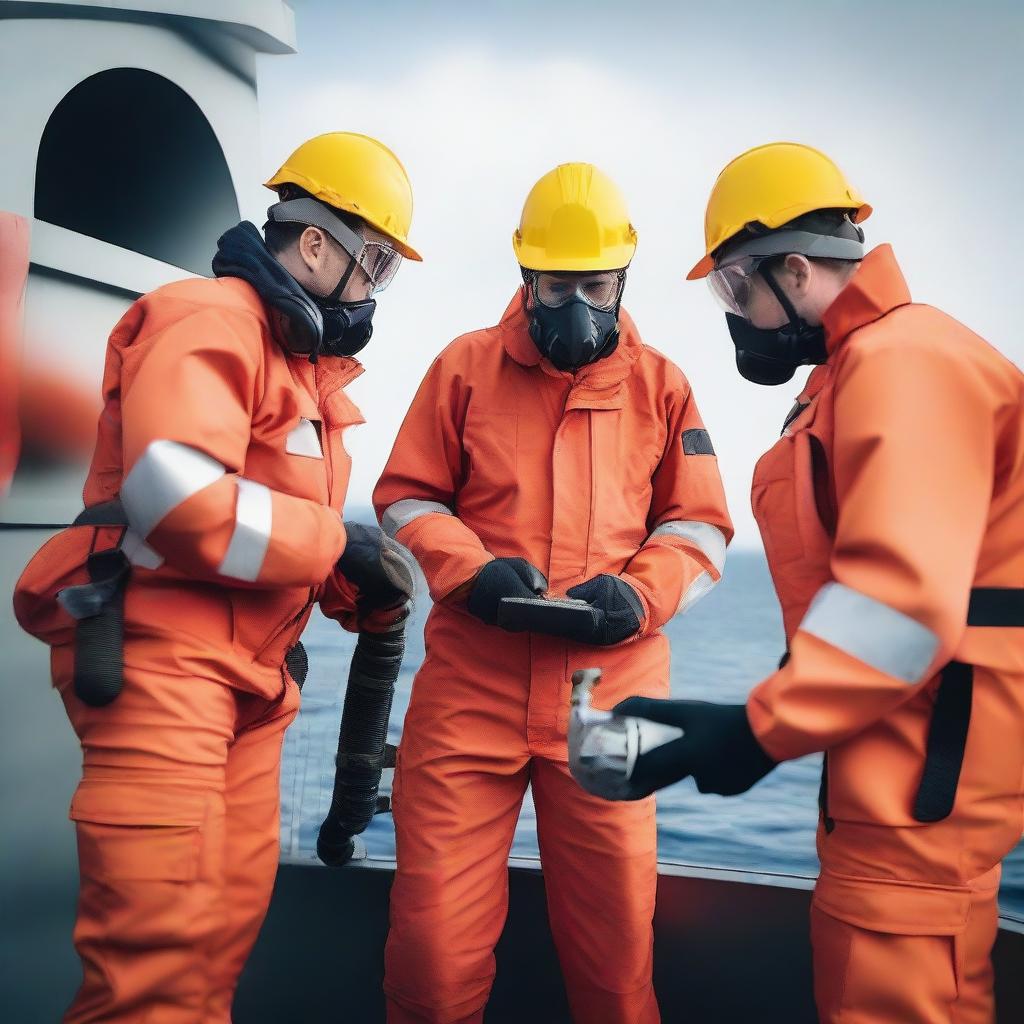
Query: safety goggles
[731, 280]
[601, 290]
[732, 286]
[378, 259]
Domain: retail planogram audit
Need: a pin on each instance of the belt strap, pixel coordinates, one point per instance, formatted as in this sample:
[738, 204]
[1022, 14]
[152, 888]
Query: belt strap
[297, 663]
[996, 606]
[951, 715]
[107, 513]
[99, 608]
[947, 741]
[99, 637]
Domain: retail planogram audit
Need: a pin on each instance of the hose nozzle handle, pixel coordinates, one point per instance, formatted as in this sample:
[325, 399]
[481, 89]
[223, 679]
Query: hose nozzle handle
[583, 682]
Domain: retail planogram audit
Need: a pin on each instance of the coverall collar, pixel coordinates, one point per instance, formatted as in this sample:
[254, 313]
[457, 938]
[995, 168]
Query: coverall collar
[600, 380]
[876, 288]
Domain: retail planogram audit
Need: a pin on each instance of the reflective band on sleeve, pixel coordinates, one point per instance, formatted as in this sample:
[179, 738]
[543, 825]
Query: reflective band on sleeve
[402, 513]
[708, 538]
[139, 553]
[253, 522]
[702, 585]
[871, 631]
[166, 474]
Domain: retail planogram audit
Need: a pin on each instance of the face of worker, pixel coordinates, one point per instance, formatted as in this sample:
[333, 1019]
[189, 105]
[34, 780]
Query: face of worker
[318, 263]
[811, 287]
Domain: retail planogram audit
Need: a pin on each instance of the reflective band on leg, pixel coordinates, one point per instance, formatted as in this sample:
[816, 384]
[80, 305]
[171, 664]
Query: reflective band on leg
[871, 631]
[166, 474]
[708, 538]
[249, 542]
[403, 512]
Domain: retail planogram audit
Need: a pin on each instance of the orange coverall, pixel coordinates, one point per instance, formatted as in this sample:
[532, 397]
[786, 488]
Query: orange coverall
[892, 512]
[608, 471]
[227, 456]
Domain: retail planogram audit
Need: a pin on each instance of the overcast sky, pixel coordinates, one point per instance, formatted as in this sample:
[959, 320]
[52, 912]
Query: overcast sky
[920, 103]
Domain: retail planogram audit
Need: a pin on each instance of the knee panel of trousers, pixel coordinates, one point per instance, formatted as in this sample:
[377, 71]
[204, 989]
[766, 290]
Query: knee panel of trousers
[133, 831]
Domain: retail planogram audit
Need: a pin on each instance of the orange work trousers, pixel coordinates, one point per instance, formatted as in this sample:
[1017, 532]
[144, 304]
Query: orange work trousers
[177, 816]
[869, 977]
[488, 717]
[897, 938]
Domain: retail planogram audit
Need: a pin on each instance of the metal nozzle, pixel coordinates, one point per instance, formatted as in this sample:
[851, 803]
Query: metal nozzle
[583, 682]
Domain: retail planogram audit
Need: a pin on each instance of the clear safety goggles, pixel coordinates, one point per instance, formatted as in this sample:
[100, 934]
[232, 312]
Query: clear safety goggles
[732, 285]
[731, 282]
[372, 252]
[600, 290]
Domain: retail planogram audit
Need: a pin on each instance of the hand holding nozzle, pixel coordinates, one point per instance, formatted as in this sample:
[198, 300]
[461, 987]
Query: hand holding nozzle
[604, 747]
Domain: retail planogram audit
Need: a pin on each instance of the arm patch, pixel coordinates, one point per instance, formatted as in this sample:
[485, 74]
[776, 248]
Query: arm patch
[697, 442]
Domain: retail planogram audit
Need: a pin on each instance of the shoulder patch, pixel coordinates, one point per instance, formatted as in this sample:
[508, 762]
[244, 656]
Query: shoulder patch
[697, 442]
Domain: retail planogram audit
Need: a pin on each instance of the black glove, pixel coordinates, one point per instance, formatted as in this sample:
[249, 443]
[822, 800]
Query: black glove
[380, 568]
[718, 747]
[618, 607]
[503, 577]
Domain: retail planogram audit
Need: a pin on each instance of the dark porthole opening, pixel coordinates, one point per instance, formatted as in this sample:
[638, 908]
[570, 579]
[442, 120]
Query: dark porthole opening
[129, 158]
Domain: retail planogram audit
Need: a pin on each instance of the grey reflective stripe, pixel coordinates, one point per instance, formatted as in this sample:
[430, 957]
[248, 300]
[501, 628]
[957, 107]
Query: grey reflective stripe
[775, 243]
[166, 474]
[702, 585]
[307, 210]
[304, 440]
[402, 513]
[871, 631]
[251, 538]
[697, 441]
[139, 553]
[708, 538]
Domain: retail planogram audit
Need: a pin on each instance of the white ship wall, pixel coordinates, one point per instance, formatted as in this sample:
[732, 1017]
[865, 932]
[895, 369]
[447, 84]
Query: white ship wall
[78, 288]
[78, 285]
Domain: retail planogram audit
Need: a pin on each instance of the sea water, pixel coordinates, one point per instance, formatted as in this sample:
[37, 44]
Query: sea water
[721, 648]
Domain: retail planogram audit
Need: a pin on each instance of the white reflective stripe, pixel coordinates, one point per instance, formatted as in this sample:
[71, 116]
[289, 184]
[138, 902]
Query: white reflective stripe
[702, 585]
[253, 523]
[403, 512]
[304, 440]
[871, 631]
[708, 538]
[139, 553]
[166, 474]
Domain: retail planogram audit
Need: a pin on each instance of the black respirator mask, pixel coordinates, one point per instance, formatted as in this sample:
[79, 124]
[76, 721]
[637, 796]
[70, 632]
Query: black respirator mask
[576, 332]
[308, 325]
[771, 355]
[347, 326]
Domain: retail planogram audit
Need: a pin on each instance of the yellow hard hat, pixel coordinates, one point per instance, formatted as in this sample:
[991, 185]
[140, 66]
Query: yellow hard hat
[357, 174]
[771, 185]
[574, 219]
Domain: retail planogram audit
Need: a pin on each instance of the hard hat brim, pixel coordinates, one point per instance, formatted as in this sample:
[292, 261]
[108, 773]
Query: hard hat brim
[701, 269]
[706, 264]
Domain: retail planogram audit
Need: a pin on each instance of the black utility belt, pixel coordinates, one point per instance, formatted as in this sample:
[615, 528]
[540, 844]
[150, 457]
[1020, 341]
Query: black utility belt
[996, 606]
[989, 607]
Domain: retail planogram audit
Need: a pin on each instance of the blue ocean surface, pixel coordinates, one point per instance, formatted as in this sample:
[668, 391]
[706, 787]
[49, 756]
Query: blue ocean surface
[720, 649]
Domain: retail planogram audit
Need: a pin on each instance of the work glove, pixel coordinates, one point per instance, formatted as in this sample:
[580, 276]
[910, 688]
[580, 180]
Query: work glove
[618, 611]
[718, 747]
[503, 577]
[382, 572]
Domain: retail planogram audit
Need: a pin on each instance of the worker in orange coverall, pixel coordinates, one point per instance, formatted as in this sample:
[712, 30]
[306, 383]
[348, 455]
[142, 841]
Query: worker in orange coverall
[891, 515]
[552, 456]
[175, 602]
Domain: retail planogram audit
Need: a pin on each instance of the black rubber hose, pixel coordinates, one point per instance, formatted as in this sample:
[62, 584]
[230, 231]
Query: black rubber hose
[362, 742]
